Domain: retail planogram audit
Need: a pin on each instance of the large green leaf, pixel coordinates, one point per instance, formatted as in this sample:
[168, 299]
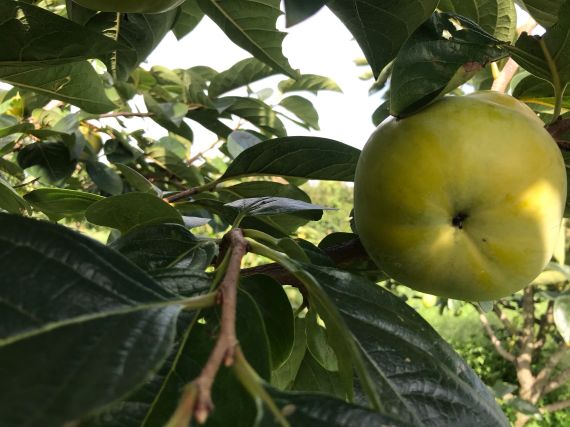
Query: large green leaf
[26, 42]
[277, 315]
[547, 57]
[74, 82]
[240, 74]
[497, 17]
[190, 16]
[80, 328]
[416, 373]
[61, 202]
[299, 10]
[166, 245]
[126, 211]
[318, 410]
[381, 27]
[10, 200]
[138, 35]
[309, 82]
[256, 112]
[545, 12]
[461, 48]
[156, 401]
[105, 178]
[251, 25]
[303, 109]
[285, 223]
[301, 157]
[50, 161]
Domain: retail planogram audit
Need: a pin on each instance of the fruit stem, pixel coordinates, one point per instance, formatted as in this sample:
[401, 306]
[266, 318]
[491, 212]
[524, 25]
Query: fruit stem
[558, 89]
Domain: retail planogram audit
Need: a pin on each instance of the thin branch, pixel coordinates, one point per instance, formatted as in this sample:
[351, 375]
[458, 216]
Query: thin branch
[496, 341]
[501, 83]
[197, 401]
[125, 114]
[558, 127]
[558, 406]
[342, 255]
[545, 321]
[505, 320]
[544, 375]
[203, 152]
[558, 381]
[190, 192]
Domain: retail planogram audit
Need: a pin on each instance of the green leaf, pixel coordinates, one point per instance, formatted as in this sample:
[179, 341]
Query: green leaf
[242, 73]
[75, 82]
[251, 25]
[164, 246]
[298, 10]
[462, 49]
[256, 112]
[317, 344]
[10, 200]
[310, 83]
[138, 35]
[128, 210]
[284, 223]
[381, 113]
[210, 120]
[113, 324]
[190, 16]
[105, 178]
[547, 56]
[277, 315]
[317, 410]
[239, 141]
[496, 17]
[381, 27]
[303, 109]
[137, 181]
[562, 316]
[169, 116]
[26, 42]
[61, 202]
[11, 169]
[298, 157]
[182, 281]
[49, 161]
[284, 376]
[154, 404]
[313, 377]
[416, 373]
[545, 12]
[261, 206]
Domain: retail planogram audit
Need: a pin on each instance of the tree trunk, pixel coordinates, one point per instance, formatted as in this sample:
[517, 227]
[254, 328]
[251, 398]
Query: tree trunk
[521, 420]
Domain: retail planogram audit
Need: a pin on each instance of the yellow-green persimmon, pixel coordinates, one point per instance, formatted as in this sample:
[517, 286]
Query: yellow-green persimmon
[464, 199]
[130, 6]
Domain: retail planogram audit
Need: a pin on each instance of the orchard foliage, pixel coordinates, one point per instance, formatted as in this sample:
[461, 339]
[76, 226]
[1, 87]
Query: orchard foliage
[116, 334]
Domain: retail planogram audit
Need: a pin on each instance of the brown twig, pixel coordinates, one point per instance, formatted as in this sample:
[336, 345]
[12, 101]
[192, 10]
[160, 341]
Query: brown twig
[558, 406]
[546, 372]
[203, 152]
[342, 255]
[201, 401]
[504, 320]
[557, 382]
[558, 127]
[496, 341]
[125, 114]
[501, 83]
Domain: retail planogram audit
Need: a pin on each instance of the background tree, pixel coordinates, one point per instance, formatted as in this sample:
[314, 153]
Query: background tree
[161, 325]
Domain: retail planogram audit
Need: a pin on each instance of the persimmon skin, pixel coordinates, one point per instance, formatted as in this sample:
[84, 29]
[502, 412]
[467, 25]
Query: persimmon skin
[463, 199]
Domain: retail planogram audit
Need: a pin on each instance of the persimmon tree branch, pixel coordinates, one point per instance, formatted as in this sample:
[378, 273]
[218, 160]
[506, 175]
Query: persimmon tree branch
[558, 406]
[504, 320]
[496, 341]
[546, 372]
[557, 382]
[191, 191]
[196, 402]
[501, 83]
